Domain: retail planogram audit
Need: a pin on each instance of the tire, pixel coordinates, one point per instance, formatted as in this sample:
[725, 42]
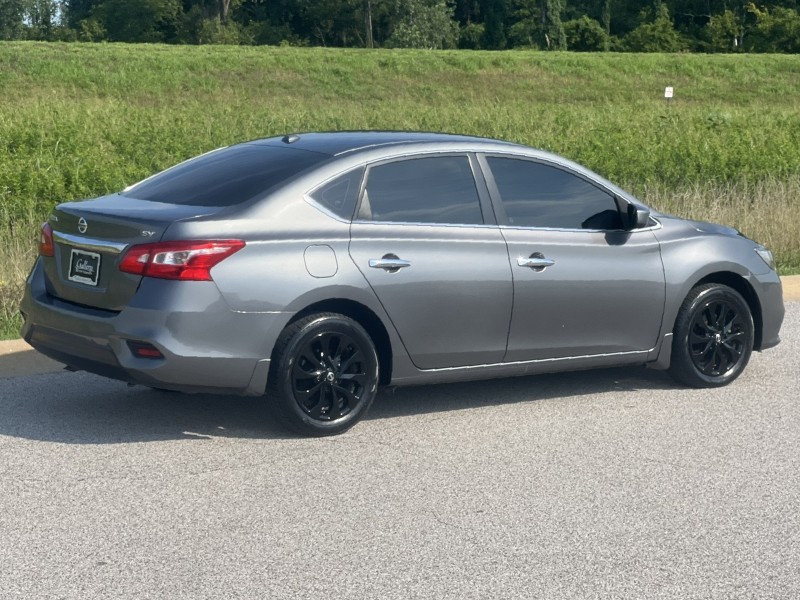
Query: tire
[713, 337]
[323, 376]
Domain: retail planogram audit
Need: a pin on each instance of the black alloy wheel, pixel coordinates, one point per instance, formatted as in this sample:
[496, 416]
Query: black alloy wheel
[713, 337]
[324, 374]
[329, 376]
[716, 338]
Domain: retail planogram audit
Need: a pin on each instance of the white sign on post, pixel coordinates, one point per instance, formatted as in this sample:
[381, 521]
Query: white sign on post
[668, 92]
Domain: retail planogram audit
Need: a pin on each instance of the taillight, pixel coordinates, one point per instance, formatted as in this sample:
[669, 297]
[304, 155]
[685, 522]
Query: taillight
[46, 246]
[185, 260]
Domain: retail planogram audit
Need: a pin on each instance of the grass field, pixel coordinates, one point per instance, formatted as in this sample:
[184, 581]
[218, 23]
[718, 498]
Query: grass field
[78, 120]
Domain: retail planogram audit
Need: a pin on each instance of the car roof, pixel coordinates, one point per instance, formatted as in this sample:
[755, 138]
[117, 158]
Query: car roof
[335, 143]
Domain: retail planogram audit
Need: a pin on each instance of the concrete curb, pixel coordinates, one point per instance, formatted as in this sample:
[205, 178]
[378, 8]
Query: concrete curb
[791, 288]
[17, 358]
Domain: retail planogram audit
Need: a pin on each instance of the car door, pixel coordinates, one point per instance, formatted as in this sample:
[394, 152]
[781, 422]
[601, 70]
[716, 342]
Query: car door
[582, 284]
[437, 265]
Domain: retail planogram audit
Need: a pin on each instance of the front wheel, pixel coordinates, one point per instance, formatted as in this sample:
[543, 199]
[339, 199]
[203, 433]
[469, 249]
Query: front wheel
[713, 337]
[324, 374]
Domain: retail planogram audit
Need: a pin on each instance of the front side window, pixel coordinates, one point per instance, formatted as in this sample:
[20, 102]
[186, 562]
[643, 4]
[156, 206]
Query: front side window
[436, 189]
[534, 194]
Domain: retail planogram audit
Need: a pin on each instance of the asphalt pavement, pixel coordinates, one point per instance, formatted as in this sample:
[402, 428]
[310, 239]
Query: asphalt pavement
[603, 484]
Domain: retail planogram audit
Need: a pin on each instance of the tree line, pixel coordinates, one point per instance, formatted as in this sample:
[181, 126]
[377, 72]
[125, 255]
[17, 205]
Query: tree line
[579, 25]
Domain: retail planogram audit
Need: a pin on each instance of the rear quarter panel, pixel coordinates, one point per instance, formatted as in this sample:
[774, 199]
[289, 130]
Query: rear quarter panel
[276, 273]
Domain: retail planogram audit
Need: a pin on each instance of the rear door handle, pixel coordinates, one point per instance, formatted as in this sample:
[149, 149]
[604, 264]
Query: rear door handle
[535, 261]
[390, 262]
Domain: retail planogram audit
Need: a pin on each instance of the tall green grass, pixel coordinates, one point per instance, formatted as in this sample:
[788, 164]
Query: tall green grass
[765, 210]
[79, 120]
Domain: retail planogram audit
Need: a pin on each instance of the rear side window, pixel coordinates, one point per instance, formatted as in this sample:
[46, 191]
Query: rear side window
[439, 189]
[340, 195]
[538, 195]
[225, 177]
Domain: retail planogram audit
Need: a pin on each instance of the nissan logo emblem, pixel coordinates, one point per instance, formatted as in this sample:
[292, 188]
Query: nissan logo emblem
[82, 225]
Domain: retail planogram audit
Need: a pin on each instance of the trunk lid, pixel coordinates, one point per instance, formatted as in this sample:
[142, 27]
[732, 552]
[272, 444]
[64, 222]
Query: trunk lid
[90, 237]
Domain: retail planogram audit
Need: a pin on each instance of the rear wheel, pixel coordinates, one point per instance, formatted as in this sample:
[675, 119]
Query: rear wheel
[324, 374]
[713, 337]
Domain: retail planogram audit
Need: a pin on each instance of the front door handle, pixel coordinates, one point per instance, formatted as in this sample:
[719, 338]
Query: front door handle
[390, 262]
[536, 261]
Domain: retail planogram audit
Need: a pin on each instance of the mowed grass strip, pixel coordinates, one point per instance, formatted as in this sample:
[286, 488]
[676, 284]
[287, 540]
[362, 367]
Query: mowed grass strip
[79, 120]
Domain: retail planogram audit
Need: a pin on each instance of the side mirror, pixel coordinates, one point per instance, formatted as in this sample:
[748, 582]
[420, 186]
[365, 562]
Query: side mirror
[638, 217]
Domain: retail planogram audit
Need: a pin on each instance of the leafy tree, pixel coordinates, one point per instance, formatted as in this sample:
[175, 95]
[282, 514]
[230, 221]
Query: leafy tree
[553, 29]
[605, 18]
[776, 30]
[525, 24]
[724, 32]
[423, 24]
[223, 7]
[338, 22]
[656, 36]
[76, 11]
[41, 18]
[471, 36]
[585, 35]
[215, 31]
[537, 23]
[274, 21]
[494, 23]
[140, 20]
[11, 23]
[645, 26]
[624, 16]
[467, 11]
[91, 30]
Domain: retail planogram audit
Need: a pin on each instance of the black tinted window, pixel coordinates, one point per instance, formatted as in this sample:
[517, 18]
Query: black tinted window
[339, 196]
[538, 195]
[225, 177]
[437, 189]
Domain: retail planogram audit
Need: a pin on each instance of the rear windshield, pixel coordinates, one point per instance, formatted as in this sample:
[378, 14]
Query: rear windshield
[225, 177]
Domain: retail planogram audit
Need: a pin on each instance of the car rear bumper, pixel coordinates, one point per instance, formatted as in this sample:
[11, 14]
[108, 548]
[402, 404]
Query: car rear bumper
[205, 346]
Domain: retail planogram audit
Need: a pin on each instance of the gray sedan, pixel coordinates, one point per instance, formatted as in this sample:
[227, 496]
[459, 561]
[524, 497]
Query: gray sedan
[314, 268]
